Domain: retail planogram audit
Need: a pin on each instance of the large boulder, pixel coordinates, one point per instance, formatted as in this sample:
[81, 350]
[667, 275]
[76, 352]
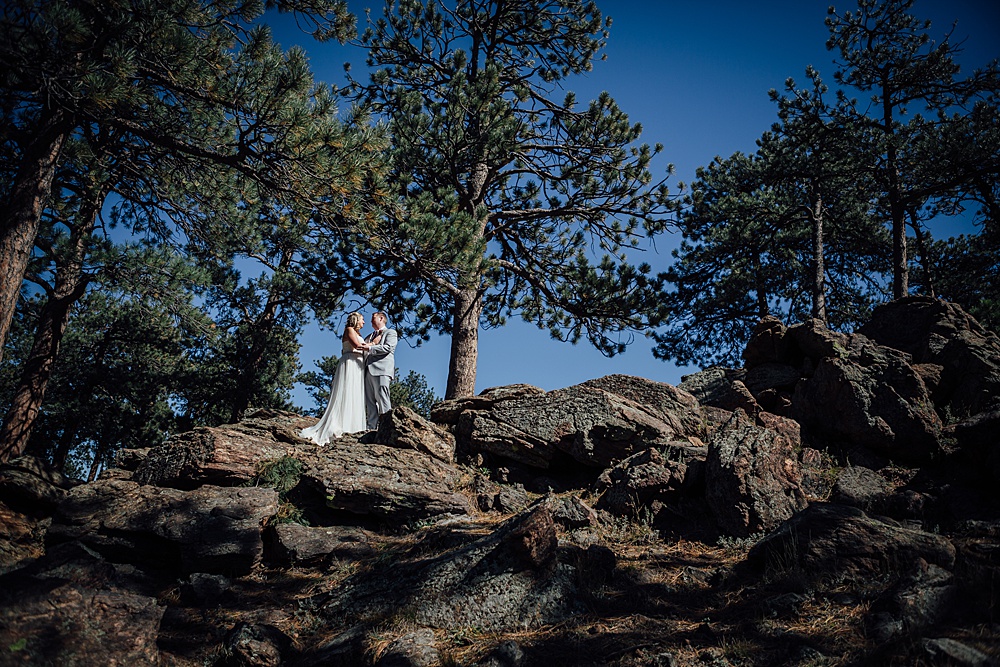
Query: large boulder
[387, 484]
[865, 394]
[514, 578]
[642, 481]
[223, 455]
[939, 334]
[828, 540]
[596, 423]
[752, 478]
[449, 411]
[402, 427]
[208, 529]
[73, 608]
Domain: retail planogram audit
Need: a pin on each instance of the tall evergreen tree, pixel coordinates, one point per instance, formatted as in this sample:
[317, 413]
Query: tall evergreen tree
[887, 53]
[183, 75]
[509, 191]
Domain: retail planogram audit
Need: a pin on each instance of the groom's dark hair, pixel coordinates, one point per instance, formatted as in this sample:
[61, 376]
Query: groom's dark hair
[385, 318]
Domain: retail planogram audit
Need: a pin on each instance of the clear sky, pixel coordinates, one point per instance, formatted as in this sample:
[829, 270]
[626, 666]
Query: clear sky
[696, 76]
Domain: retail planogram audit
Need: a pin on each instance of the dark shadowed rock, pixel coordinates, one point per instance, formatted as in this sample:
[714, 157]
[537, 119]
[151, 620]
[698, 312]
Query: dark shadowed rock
[507, 654]
[920, 600]
[642, 480]
[28, 485]
[510, 579]
[865, 394]
[767, 343]
[386, 483]
[253, 645]
[22, 538]
[752, 478]
[946, 651]
[940, 333]
[860, 487]
[414, 649]
[75, 609]
[209, 529]
[595, 423]
[827, 540]
[404, 428]
[979, 439]
[293, 544]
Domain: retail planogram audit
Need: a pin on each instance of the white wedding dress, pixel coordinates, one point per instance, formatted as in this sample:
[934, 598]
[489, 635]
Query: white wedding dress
[345, 412]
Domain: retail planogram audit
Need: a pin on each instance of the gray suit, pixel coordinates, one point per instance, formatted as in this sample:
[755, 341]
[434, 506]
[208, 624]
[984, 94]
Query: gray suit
[380, 366]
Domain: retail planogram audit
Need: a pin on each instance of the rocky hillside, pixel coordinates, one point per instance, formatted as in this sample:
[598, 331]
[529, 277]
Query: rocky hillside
[833, 502]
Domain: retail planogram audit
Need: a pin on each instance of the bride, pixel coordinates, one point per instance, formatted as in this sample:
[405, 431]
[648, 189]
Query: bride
[346, 411]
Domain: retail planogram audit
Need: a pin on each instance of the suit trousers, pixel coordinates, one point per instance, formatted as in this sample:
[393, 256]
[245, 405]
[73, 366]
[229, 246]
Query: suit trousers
[376, 397]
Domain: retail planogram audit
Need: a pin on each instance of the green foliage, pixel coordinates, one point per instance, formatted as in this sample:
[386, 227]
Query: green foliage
[509, 190]
[413, 392]
[280, 474]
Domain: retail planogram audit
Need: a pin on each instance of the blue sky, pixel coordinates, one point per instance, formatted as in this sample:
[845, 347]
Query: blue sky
[696, 76]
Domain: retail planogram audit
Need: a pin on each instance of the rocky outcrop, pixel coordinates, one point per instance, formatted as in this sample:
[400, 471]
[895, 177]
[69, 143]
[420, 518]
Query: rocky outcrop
[752, 478]
[404, 428]
[511, 579]
[827, 540]
[961, 358]
[208, 529]
[594, 424]
[380, 482]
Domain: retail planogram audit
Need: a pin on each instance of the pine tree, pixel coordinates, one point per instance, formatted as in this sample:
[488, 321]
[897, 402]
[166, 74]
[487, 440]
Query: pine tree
[509, 191]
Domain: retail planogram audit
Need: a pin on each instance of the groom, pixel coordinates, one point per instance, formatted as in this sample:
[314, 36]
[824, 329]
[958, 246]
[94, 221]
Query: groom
[380, 365]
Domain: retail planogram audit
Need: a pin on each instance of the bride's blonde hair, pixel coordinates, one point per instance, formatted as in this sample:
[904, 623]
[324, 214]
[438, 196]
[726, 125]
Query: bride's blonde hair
[355, 320]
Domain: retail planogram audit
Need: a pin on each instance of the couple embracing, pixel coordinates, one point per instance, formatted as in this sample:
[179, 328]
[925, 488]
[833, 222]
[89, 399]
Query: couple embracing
[360, 389]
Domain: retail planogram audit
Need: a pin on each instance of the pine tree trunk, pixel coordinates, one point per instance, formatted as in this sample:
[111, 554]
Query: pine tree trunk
[261, 334]
[925, 262]
[22, 212]
[70, 285]
[900, 264]
[464, 344]
[819, 269]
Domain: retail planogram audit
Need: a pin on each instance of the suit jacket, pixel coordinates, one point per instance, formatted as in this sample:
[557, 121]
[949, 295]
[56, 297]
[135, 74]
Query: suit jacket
[381, 359]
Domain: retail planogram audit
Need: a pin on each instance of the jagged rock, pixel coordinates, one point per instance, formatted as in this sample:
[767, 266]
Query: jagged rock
[294, 544]
[941, 333]
[385, 483]
[595, 423]
[223, 456]
[253, 645]
[510, 579]
[771, 375]
[414, 649]
[449, 411]
[28, 485]
[918, 601]
[860, 487]
[130, 459]
[752, 478]
[712, 386]
[826, 540]
[204, 589]
[507, 654]
[22, 538]
[945, 651]
[209, 529]
[865, 394]
[404, 428]
[767, 343]
[570, 512]
[511, 499]
[65, 611]
[643, 480]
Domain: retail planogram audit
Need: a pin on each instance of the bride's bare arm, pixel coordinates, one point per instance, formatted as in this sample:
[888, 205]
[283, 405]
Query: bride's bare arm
[354, 337]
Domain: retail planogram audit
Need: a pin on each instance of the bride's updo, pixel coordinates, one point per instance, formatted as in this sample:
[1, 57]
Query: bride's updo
[355, 321]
